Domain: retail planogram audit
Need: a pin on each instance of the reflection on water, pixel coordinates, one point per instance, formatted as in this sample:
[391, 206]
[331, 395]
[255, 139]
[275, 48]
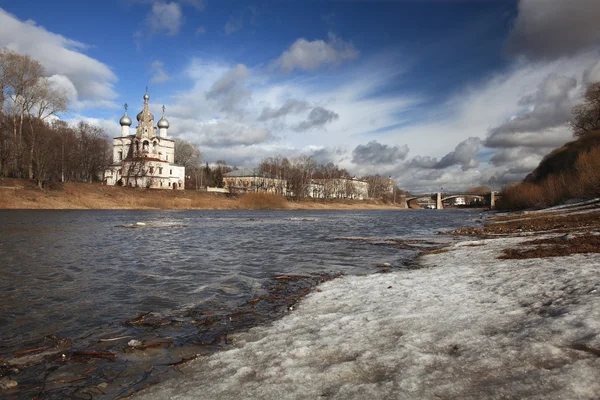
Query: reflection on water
[70, 272]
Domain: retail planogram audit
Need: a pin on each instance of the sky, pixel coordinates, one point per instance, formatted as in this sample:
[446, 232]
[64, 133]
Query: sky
[437, 94]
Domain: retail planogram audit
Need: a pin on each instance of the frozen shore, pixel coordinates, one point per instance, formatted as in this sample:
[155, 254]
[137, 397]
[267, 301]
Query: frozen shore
[466, 326]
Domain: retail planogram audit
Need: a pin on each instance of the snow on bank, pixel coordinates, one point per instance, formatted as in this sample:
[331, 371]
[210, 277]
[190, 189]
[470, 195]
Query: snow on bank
[469, 326]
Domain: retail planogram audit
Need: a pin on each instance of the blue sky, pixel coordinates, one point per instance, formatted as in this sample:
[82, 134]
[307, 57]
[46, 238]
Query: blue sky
[436, 93]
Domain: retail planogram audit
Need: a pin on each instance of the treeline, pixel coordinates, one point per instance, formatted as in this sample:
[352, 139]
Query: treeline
[301, 171]
[34, 143]
[572, 171]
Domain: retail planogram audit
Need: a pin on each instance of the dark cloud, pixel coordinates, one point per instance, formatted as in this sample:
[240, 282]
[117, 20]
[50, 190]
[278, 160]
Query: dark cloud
[423, 162]
[318, 117]
[374, 153]
[550, 106]
[550, 29]
[230, 91]
[519, 155]
[327, 155]
[291, 106]
[466, 154]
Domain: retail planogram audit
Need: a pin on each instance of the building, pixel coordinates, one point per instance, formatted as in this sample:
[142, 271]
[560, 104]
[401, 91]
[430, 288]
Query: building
[459, 201]
[339, 188]
[248, 180]
[146, 157]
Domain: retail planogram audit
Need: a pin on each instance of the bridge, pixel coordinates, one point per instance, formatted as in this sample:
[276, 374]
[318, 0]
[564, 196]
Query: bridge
[440, 197]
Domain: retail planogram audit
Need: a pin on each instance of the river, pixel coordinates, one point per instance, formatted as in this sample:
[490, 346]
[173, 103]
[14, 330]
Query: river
[73, 273]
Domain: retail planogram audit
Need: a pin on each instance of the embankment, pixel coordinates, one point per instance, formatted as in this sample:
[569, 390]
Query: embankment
[22, 194]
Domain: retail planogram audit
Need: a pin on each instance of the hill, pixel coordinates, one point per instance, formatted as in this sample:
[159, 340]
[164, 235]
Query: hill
[563, 158]
[571, 171]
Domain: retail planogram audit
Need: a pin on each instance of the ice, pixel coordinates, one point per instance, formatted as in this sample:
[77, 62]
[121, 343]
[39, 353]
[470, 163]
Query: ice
[466, 326]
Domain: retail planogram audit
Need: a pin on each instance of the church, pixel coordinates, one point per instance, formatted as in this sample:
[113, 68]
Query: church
[146, 157]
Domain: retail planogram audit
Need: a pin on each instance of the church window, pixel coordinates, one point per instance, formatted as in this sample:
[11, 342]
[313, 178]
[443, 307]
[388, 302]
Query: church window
[170, 172]
[120, 156]
[160, 170]
[151, 170]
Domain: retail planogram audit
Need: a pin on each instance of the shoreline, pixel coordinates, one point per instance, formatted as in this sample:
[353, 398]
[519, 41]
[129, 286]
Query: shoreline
[475, 321]
[24, 195]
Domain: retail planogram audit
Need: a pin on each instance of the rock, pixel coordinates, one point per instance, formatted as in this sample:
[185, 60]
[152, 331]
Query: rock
[568, 236]
[134, 343]
[6, 383]
[387, 265]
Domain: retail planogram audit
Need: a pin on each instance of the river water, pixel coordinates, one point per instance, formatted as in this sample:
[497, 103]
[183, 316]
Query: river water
[70, 273]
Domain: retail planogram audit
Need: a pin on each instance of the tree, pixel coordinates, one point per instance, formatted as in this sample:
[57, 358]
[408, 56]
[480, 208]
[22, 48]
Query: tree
[586, 115]
[189, 155]
[92, 150]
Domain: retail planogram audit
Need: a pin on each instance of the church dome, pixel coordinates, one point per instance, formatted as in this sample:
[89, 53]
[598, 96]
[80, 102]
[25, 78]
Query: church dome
[163, 123]
[125, 120]
[139, 116]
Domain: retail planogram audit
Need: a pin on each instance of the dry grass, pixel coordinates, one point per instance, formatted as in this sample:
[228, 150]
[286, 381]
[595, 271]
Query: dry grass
[582, 180]
[554, 247]
[22, 194]
[262, 201]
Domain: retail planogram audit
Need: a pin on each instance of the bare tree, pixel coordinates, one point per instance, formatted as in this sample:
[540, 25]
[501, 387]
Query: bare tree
[586, 115]
[189, 155]
[22, 74]
[92, 151]
[44, 101]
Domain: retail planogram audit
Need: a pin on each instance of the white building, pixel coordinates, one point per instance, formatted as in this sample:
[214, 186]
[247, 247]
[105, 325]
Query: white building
[459, 201]
[338, 188]
[145, 158]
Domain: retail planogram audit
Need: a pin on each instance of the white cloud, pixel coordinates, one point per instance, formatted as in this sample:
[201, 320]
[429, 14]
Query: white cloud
[234, 24]
[88, 82]
[159, 74]
[308, 56]
[165, 17]
[111, 127]
[218, 133]
[200, 31]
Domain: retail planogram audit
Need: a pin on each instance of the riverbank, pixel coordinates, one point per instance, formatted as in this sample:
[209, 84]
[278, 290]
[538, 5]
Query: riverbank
[23, 194]
[514, 313]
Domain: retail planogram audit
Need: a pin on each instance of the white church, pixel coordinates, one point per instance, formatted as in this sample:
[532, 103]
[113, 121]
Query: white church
[145, 158]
